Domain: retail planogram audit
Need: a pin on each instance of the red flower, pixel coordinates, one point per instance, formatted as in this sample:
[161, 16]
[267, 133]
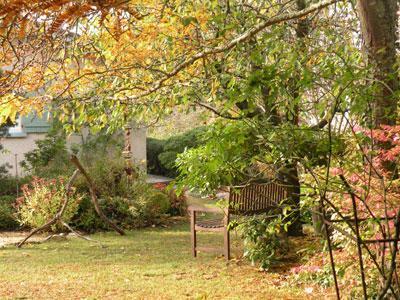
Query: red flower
[160, 186]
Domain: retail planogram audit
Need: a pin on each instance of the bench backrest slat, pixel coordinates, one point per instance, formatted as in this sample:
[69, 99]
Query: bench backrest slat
[256, 198]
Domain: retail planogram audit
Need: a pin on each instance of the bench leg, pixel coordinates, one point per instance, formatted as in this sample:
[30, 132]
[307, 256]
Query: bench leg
[227, 246]
[193, 232]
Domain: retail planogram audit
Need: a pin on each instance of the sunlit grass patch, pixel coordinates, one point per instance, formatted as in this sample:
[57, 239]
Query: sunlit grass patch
[153, 263]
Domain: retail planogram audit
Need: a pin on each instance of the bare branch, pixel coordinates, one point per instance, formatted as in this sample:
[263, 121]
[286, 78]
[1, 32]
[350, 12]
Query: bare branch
[215, 111]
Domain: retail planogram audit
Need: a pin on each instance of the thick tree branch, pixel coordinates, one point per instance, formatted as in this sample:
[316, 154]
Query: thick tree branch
[233, 43]
[92, 190]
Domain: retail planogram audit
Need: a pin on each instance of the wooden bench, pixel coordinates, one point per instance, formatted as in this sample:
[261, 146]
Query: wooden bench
[251, 199]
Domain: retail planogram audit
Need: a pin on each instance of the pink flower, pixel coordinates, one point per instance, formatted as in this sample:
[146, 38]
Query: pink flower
[380, 136]
[296, 270]
[358, 128]
[336, 171]
[354, 178]
[387, 127]
[299, 269]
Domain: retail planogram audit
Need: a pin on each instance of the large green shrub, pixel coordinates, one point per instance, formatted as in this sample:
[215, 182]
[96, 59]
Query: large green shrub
[127, 202]
[86, 218]
[144, 203]
[177, 201]
[145, 206]
[42, 199]
[115, 208]
[148, 205]
[8, 220]
[162, 154]
[107, 173]
[154, 147]
[263, 237]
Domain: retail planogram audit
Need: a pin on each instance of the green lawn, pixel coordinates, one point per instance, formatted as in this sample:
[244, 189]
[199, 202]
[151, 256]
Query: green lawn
[153, 263]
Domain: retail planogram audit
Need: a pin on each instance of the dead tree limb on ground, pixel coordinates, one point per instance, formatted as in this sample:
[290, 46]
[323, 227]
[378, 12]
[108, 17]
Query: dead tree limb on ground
[93, 196]
[80, 235]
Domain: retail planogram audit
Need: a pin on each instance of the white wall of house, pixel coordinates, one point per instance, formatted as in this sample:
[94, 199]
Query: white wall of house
[138, 144]
[14, 149]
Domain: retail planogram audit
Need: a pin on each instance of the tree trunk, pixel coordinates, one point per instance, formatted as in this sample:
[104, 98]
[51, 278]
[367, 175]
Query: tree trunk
[292, 176]
[378, 24]
[379, 30]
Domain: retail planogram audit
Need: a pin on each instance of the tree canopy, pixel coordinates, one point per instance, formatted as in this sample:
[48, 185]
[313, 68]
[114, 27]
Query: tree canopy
[305, 92]
[98, 61]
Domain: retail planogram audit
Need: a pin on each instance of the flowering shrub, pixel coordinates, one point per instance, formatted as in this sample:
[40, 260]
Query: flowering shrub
[367, 177]
[42, 199]
[177, 202]
[147, 207]
[372, 182]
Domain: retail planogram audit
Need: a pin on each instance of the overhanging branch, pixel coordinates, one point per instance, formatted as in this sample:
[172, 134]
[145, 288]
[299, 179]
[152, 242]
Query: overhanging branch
[215, 111]
[240, 39]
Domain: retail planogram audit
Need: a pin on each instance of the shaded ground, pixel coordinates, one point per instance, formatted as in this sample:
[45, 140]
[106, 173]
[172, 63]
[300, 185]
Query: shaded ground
[152, 263]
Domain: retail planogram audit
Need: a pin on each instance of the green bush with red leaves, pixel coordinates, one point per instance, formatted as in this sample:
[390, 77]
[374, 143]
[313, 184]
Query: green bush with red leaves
[42, 199]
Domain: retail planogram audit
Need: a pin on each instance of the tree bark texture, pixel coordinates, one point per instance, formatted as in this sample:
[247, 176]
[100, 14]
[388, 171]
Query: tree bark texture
[378, 20]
